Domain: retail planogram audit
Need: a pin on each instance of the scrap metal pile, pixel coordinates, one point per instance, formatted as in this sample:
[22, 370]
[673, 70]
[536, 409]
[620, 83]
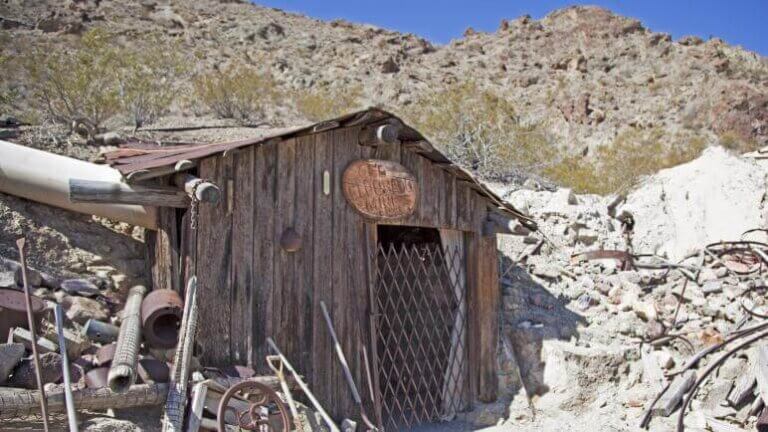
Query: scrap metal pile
[740, 267]
[145, 360]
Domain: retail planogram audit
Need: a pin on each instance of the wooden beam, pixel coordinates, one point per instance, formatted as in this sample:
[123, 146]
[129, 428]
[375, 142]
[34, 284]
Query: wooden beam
[204, 191]
[103, 192]
[374, 136]
[147, 174]
[420, 146]
[496, 223]
[761, 370]
[674, 394]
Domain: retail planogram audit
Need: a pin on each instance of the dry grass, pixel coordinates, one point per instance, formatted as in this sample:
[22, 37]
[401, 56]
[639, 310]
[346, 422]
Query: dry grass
[617, 167]
[322, 104]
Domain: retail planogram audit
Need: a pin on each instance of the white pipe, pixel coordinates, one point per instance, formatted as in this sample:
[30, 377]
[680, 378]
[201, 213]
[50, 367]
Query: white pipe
[44, 177]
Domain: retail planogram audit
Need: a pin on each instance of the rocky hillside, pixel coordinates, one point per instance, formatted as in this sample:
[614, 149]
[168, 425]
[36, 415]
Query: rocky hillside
[585, 76]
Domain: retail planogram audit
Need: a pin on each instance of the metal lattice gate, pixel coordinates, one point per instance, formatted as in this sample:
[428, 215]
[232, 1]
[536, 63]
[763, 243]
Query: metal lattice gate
[421, 333]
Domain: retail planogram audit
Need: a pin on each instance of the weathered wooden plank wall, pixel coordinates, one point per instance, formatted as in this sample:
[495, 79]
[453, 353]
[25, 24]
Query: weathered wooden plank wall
[251, 289]
[214, 266]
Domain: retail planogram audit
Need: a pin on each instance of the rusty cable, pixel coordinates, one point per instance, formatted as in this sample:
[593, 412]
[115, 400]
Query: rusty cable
[709, 370]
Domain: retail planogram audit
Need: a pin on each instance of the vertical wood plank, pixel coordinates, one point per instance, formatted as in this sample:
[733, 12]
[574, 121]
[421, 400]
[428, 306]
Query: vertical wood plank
[165, 268]
[348, 241]
[188, 249]
[322, 266]
[283, 310]
[369, 337]
[214, 267]
[473, 343]
[302, 271]
[265, 168]
[242, 257]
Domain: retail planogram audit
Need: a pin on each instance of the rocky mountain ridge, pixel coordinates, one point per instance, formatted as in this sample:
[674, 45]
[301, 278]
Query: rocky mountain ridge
[585, 74]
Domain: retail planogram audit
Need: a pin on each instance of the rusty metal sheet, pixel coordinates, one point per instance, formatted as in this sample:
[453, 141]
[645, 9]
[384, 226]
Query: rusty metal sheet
[380, 189]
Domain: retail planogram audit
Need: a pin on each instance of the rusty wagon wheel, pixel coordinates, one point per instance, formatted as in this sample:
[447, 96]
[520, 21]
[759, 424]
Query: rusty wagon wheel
[264, 408]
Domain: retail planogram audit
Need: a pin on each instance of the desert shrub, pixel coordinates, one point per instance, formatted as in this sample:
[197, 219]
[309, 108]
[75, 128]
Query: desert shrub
[79, 85]
[237, 91]
[735, 142]
[7, 94]
[100, 79]
[322, 104]
[616, 167]
[146, 81]
[481, 130]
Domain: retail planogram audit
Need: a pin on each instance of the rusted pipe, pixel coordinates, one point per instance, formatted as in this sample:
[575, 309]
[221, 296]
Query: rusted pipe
[122, 373]
[31, 321]
[101, 332]
[161, 313]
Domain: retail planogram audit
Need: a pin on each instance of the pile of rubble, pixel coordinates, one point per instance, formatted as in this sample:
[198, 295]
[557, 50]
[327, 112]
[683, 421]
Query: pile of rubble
[623, 309]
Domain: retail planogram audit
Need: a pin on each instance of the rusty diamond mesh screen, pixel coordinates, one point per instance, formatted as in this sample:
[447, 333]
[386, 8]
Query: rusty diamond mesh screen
[421, 333]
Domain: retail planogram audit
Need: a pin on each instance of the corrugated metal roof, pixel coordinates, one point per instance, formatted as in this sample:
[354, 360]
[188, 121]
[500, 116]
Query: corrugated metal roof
[139, 157]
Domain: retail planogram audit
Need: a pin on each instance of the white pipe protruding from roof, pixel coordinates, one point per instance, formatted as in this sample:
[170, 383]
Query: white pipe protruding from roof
[44, 177]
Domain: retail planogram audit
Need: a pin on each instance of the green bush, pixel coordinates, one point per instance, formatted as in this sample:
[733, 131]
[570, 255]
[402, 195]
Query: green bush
[323, 104]
[237, 91]
[77, 86]
[7, 95]
[146, 81]
[481, 130]
[100, 79]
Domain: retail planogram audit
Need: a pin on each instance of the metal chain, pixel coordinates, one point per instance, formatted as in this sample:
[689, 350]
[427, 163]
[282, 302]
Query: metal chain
[195, 204]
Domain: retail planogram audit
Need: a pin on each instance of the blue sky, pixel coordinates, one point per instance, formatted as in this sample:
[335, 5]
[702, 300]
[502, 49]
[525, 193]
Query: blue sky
[738, 22]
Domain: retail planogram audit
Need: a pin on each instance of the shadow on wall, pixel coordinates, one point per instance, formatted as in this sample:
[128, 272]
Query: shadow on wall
[65, 243]
[530, 315]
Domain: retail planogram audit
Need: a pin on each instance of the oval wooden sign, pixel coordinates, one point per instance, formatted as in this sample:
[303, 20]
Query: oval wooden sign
[380, 189]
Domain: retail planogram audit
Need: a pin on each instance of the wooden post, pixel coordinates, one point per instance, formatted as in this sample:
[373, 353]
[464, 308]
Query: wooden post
[487, 316]
[102, 192]
[202, 190]
[497, 223]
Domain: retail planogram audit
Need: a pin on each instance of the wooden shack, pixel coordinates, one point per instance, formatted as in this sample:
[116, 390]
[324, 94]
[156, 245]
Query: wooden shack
[361, 213]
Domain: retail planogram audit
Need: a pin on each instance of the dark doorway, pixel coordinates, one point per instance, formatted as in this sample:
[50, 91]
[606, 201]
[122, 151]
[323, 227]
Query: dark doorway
[421, 326]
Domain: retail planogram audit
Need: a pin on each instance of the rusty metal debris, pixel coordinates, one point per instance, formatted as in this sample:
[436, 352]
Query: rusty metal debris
[13, 311]
[100, 332]
[122, 372]
[31, 322]
[623, 257]
[742, 260]
[319, 408]
[262, 408]
[161, 313]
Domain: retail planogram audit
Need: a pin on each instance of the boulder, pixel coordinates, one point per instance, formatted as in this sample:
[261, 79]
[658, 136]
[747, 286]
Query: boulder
[10, 356]
[81, 309]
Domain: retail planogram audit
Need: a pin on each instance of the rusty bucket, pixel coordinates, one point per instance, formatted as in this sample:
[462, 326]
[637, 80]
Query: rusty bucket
[13, 312]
